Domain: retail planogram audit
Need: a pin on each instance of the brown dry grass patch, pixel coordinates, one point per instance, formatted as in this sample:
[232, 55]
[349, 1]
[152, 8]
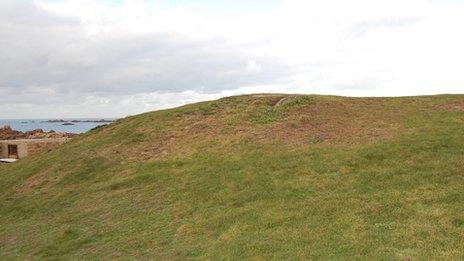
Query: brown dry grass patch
[334, 121]
[452, 106]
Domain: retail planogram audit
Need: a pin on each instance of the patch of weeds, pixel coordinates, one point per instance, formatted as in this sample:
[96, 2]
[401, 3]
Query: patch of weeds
[266, 115]
[232, 121]
[97, 128]
[181, 111]
[88, 169]
[334, 174]
[458, 222]
[386, 225]
[135, 137]
[135, 181]
[294, 124]
[127, 135]
[297, 101]
[148, 173]
[161, 165]
[208, 108]
[315, 140]
[70, 240]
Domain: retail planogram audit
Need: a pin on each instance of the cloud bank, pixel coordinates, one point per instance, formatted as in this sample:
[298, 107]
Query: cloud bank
[84, 58]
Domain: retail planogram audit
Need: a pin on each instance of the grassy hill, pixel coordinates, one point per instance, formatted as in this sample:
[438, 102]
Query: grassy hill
[256, 176]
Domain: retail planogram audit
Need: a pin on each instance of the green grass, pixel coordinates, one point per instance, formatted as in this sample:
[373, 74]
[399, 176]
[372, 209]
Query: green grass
[319, 177]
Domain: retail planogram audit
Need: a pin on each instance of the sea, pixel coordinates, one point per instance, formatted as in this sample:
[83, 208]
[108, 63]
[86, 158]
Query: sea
[44, 124]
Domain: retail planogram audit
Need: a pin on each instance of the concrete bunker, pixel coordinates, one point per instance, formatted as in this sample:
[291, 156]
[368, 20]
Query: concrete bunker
[17, 149]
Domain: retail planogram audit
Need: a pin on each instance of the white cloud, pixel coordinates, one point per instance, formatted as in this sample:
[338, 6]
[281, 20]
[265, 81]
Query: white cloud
[254, 67]
[134, 57]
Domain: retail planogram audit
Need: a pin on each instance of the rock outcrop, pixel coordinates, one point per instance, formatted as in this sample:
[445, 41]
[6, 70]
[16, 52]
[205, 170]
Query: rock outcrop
[7, 133]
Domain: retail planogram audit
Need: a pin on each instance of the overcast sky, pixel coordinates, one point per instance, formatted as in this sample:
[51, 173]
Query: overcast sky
[112, 58]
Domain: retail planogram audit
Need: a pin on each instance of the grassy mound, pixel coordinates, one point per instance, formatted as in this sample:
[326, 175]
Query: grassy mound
[256, 176]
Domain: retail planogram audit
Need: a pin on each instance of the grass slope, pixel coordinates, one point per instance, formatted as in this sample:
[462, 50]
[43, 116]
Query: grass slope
[257, 176]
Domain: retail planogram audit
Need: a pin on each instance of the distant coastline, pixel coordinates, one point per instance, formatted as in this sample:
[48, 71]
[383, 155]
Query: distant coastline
[77, 121]
[76, 125]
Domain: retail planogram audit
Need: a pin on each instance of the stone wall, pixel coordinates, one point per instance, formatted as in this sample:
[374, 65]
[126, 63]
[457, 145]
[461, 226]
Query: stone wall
[3, 150]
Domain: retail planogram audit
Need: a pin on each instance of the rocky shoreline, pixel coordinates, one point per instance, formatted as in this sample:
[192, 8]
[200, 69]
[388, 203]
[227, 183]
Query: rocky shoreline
[78, 121]
[7, 133]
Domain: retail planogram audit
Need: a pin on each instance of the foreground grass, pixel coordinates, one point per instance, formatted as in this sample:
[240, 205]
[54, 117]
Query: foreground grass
[251, 194]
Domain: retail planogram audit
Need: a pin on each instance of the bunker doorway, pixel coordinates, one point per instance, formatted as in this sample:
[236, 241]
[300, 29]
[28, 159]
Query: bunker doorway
[13, 151]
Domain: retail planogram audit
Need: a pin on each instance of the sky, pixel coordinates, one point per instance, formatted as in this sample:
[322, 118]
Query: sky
[113, 58]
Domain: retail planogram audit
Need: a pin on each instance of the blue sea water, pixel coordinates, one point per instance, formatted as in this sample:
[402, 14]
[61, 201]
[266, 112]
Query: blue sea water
[32, 124]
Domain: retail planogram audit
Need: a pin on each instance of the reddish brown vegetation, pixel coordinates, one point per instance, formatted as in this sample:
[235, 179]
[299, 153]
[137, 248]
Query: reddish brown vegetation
[322, 122]
[452, 106]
